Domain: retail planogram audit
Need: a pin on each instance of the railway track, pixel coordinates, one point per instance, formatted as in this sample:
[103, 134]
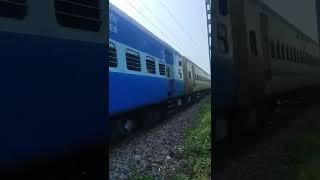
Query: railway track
[249, 155]
[172, 110]
[154, 151]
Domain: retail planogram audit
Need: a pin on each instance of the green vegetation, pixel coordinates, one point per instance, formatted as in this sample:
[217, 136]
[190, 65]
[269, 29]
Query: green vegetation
[197, 147]
[303, 154]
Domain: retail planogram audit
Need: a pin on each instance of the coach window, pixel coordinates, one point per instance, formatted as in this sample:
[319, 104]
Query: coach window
[287, 52]
[16, 9]
[253, 43]
[151, 65]
[168, 72]
[305, 57]
[309, 59]
[84, 15]
[272, 49]
[295, 54]
[222, 38]
[278, 49]
[112, 53]
[162, 70]
[300, 56]
[133, 60]
[180, 73]
[224, 7]
[282, 52]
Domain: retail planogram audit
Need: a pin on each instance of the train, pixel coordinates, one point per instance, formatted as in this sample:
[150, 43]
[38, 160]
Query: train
[147, 77]
[259, 58]
[53, 80]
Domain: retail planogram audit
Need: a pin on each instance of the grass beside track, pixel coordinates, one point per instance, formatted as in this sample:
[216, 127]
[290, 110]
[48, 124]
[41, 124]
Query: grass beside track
[197, 147]
[302, 154]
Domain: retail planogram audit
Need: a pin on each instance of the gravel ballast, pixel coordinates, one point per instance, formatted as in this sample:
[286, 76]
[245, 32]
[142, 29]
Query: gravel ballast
[155, 152]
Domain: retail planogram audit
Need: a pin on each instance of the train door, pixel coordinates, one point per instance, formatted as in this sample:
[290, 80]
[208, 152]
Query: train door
[264, 27]
[169, 68]
[170, 80]
[194, 79]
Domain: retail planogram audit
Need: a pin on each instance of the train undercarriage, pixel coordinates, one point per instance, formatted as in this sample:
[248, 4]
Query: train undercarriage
[146, 117]
[232, 122]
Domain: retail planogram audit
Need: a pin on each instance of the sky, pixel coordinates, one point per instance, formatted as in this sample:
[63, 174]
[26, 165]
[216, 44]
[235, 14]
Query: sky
[301, 13]
[182, 24]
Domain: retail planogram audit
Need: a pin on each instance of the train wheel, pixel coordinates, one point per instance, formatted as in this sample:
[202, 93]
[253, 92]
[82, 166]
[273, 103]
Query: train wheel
[234, 125]
[266, 112]
[128, 125]
[152, 116]
[122, 127]
[179, 102]
[252, 118]
[116, 130]
[260, 116]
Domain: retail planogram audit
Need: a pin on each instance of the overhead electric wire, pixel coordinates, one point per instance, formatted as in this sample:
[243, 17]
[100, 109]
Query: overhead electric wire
[161, 22]
[153, 24]
[174, 18]
[178, 46]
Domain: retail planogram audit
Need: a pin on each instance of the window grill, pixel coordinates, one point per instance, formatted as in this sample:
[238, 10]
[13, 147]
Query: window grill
[151, 65]
[112, 55]
[278, 50]
[222, 37]
[253, 43]
[287, 53]
[16, 9]
[282, 52]
[224, 7]
[78, 14]
[272, 49]
[162, 69]
[133, 60]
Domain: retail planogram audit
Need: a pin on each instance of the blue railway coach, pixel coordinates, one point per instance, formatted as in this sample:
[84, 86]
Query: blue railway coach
[52, 85]
[143, 70]
[147, 77]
